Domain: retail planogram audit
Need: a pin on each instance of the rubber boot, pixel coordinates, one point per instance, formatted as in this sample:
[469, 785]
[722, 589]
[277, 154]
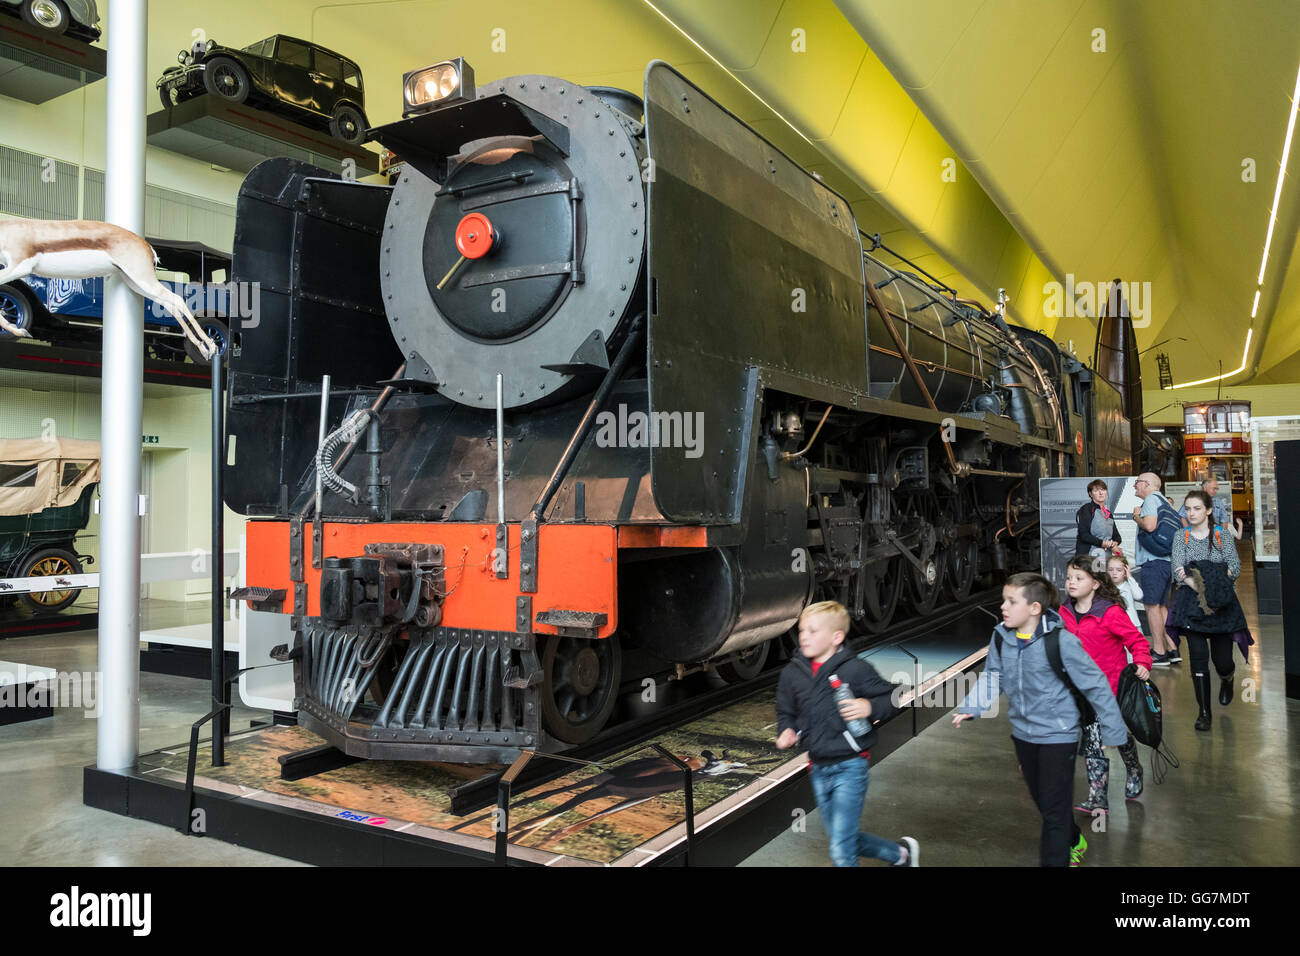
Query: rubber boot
[1133, 767]
[1201, 683]
[1225, 689]
[1098, 769]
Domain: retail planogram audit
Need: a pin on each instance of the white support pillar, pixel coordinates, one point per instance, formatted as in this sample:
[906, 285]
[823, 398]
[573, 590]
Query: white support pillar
[122, 397]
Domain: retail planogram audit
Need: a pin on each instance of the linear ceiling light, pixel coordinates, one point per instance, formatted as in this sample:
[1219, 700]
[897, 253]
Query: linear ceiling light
[1281, 175]
[667, 19]
[1255, 308]
[1240, 368]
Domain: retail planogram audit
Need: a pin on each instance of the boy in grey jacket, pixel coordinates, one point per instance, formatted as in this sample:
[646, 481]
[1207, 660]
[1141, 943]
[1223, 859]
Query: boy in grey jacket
[1045, 720]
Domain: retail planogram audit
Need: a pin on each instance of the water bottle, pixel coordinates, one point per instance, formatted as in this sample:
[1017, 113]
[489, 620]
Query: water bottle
[859, 727]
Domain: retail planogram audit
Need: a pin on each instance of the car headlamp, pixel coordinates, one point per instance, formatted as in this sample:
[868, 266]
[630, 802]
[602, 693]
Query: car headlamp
[433, 87]
[182, 57]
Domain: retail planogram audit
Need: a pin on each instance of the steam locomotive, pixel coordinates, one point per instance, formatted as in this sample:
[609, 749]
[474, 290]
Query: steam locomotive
[615, 388]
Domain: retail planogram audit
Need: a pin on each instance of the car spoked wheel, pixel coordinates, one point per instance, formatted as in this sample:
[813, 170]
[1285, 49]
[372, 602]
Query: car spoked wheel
[349, 125]
[217, 330]
[579, 686]
[51, 561]
[16, 308]
[225, 78]
[49, 15]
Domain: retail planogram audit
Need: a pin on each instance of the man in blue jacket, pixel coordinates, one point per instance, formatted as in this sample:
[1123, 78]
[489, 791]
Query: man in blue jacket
[1045, 719]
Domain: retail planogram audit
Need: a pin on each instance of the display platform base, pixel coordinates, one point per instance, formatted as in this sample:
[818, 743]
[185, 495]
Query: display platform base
[628, 811]
[20, 622]
[36, 66]
[25, 693]
[1268, 587]
[238, 136]
[23, 355]
[183, 661]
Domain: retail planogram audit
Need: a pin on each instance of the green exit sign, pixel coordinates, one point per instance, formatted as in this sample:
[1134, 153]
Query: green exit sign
[151, 439]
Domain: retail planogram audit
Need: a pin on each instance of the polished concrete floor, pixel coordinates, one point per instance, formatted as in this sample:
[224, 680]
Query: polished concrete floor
[41, 813]
[1232, 802]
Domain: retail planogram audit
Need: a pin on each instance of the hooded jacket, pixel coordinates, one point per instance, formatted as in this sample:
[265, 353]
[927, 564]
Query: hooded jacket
[1105, 631]
[1040, 707]
[807, 703]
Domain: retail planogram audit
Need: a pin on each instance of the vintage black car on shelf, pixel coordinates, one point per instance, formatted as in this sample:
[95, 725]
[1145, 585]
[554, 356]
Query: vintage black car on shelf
[305, 81]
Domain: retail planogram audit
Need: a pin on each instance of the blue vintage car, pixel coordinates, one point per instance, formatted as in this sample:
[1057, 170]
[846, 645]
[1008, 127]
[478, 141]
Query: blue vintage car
[70, 312]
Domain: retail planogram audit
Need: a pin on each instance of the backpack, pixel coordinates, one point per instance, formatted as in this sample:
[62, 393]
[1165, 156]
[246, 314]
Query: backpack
[1139, 702]
[1052, 645]
[1160, 542]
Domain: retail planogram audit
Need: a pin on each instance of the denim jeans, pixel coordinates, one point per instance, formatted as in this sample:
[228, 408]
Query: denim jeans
[841, 789]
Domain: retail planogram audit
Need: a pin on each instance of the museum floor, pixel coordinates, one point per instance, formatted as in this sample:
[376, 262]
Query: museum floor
[1231, 803]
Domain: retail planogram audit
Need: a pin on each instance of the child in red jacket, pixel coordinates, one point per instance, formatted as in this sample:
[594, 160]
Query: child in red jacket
[1097, 616]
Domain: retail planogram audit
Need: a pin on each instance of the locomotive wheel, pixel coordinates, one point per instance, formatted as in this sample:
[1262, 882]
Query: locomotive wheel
[747, 665]
[961, 563]
[45, 562]
[925, 585]
[884, 584]
[580, 681]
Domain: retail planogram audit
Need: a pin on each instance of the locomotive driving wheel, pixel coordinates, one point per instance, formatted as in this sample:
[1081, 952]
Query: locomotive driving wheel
[961, 562]
[746, 665]
[580, 681]
[882, 587]
[925, 582]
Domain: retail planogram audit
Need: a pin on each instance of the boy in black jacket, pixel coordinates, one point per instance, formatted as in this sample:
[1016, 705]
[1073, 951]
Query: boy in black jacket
[807, 715]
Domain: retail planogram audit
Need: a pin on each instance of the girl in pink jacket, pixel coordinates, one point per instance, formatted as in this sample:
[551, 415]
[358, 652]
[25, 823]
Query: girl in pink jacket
[1097, 615]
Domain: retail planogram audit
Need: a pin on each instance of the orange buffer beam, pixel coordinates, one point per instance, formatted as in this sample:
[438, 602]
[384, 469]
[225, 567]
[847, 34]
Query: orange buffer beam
[577, 567]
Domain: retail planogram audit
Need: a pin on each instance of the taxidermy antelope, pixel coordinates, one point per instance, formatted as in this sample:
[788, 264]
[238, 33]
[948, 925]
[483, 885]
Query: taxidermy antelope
[80, 249]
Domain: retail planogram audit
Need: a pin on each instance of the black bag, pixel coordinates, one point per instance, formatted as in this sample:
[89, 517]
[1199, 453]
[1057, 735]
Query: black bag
[1139, 703]
[1052, 647]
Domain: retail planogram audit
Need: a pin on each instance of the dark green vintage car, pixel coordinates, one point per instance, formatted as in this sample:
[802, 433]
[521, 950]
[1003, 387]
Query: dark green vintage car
[46, 490]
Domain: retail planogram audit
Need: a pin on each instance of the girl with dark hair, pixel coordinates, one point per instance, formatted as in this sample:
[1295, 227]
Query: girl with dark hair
[1095, 531]
[1205, 608]
[1097, 615]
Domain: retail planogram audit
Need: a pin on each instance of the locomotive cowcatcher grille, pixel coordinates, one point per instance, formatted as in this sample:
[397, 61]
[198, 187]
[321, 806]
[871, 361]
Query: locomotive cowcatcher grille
[459, 695]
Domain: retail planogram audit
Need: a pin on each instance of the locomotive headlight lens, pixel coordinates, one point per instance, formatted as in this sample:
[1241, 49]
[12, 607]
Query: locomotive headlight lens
[435, 86]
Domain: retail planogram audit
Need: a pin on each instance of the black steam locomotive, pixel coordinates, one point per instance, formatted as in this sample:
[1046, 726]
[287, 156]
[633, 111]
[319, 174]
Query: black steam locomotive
[616, 389]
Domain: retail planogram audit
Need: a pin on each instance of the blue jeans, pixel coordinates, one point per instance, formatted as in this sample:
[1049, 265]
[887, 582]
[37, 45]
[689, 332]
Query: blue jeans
[841, 789]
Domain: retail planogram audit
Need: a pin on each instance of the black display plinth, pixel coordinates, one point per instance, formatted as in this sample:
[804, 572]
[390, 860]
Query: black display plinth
[36, 66]
[238, 136]
[1287, 456]
[1268, 586]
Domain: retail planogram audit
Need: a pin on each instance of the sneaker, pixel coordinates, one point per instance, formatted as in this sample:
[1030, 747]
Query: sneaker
[1088, 807]
[1133, 784]
[913, 850]
[1078, 850]
[1173, 656]
[1160, 660]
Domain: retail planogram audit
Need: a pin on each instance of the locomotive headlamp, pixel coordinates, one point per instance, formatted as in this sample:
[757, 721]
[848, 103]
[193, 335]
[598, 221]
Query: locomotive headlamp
[432, 87]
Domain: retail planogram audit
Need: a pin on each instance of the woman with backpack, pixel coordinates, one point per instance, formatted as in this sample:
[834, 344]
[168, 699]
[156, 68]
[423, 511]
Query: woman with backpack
[1097, 616]
[1205, 608]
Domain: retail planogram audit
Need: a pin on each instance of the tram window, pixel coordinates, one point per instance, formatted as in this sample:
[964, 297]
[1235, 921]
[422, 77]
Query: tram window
[1194, 420]
[72, 470]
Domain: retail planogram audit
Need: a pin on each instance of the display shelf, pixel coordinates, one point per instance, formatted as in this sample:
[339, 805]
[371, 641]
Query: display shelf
[36, 66]
[22, 355]
[238, 137]
[1264, 431]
